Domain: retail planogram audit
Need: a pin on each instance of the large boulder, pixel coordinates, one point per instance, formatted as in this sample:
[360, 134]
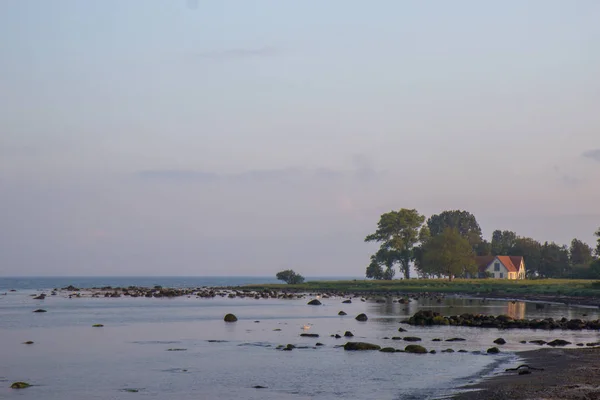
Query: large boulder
[314, 302]
[362, 317]
[230, 318]
[415, 348]
[361, 346]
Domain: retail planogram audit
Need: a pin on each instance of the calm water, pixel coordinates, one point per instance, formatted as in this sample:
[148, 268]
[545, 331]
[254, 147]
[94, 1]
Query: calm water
[70, 359]
[150, 281]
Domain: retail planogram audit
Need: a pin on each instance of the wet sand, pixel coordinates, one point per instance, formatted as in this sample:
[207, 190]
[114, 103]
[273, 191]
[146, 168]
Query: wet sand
[567, 374]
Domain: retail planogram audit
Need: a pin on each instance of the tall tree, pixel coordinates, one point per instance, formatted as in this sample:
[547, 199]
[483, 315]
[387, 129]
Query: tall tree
[581, 254]
[531, 251]
[397, 232]
[554, 261]
[484, 248]
[462, 221]
[503, 242]
[450, 254]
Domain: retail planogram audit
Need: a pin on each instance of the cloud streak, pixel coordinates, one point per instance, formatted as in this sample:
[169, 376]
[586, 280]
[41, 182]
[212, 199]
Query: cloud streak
[592, 154]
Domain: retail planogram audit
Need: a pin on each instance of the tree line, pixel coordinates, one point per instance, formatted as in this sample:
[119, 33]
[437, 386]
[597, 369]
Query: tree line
[445, 245]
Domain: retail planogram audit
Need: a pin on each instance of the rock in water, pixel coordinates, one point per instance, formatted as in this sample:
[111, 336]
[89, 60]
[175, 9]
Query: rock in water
[500, 341]
[493, 350]
[230, 318]
[415, 348]
[361, 346]
[361, 317]
[388, 350]
[558, 342]
[347, 301]
[40, 310]
[19, 385]
[342, 313]
[412, 339]
[309, 334]
[97, 326]
[348, 334]
[314, 302]
[28, 342]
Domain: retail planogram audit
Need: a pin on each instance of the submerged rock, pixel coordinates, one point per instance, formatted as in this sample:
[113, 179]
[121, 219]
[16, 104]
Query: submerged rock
[230, 318]
[40, 310]
[415, 348]
[309, 334]
[412, 339]
[20, 385]
[314, 302]
[493, 350]
[500, 341]
[388, 350]
[538, 342]
[97, 326]
[361, 346]
[347, 301]
[361, 317]
[401, 329]
[456, 339]
[28, 342]
[558, 342]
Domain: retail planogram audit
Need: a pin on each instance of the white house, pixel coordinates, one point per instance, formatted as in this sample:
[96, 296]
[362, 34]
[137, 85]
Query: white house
[501, 267]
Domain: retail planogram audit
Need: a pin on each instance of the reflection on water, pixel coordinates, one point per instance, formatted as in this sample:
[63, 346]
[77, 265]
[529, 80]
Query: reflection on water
[70, 359]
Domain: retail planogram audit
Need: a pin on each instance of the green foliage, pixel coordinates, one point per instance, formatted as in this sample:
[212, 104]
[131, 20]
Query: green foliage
[503, 242]
[374, 270]
[449, 254]
[580, 253]
[554, 261]
[290, 277]
[397, 232]
[462, 221]
[597, 234]
[531, 251]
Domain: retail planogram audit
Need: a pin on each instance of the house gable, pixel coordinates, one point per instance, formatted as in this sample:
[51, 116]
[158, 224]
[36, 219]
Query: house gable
[501, 267]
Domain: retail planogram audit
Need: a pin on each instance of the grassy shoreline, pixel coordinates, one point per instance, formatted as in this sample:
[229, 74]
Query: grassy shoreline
[576, 291]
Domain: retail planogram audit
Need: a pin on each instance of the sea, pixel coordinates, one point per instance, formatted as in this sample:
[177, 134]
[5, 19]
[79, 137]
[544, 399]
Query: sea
[180, 348]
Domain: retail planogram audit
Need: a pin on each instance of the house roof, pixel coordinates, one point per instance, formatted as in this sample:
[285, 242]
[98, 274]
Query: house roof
[510, 262]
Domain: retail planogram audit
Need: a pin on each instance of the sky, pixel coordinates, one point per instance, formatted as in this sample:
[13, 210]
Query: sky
[195, 137]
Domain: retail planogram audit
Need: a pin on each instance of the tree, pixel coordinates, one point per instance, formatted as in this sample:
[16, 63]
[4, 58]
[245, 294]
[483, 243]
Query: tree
[503, 242]
[531, 251]
[289, 276]
[554, 261]
[483, 249]
[463, 221]
[374, 270]
[597, 234]
[450, 254]
[398, 232]
[580, 254]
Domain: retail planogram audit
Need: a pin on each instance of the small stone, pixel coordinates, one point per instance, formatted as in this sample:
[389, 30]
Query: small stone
[361, 317]
[314, 302]
[20, 385]
[500, 341]
[40, 310]
[348, 334]
[342, 313]
[259, 387]
[28, 342]
[309, 334]
[493, 350]
[230, 318]
[97, 326]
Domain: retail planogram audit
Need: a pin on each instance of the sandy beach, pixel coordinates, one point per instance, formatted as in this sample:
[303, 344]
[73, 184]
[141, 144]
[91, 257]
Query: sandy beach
[567, 374]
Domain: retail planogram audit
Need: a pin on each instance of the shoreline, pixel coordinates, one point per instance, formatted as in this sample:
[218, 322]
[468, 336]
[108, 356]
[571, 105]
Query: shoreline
[567, 374]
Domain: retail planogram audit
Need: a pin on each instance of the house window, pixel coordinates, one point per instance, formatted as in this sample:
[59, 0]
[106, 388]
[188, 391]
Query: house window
[497, 266]
[501, 275]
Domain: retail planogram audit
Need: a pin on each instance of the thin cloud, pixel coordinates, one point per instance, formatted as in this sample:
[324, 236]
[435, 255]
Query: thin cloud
[570, 181]
[592, 154]
[233, 54]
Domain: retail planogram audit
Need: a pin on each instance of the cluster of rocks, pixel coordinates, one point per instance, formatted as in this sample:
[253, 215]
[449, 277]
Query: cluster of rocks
[428, 317]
